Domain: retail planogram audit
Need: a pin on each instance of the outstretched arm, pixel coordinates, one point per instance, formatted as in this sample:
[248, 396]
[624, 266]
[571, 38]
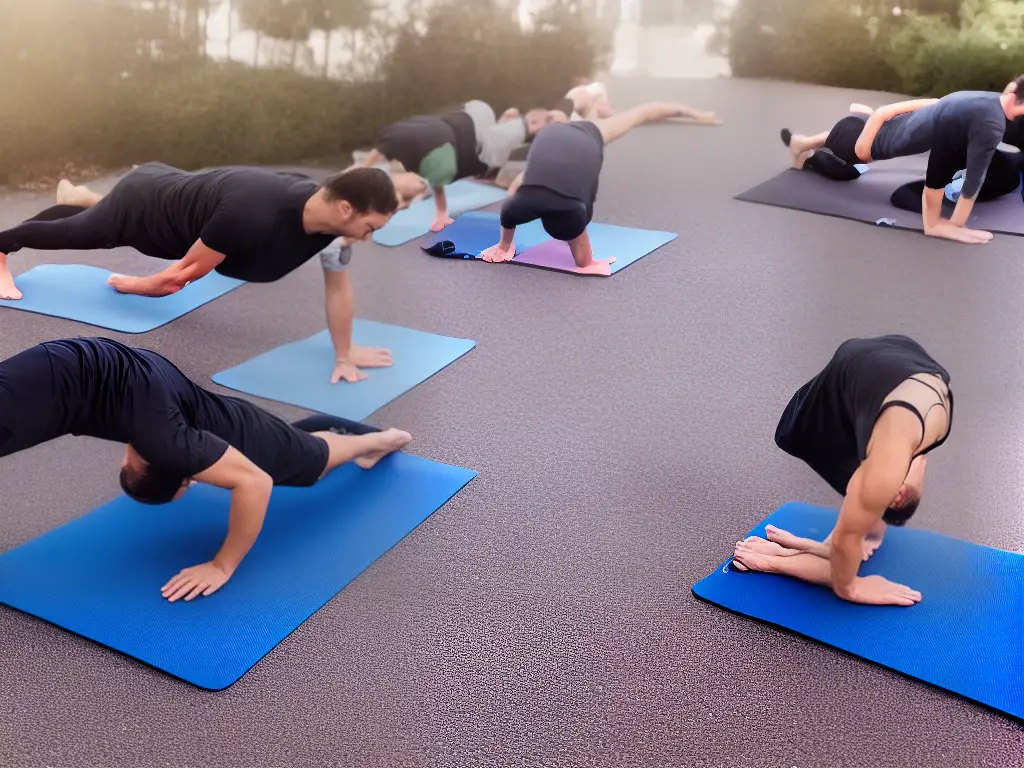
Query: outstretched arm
[250, 490]
[198, 262]
[880, 116]
[340, 307]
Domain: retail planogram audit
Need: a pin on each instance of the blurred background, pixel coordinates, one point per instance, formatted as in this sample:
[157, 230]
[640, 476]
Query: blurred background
[94, 85]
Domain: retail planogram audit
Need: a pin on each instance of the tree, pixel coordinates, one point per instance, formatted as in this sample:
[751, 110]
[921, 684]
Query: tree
[330, 15]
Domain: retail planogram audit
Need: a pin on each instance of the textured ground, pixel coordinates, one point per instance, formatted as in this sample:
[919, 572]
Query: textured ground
[622, 429]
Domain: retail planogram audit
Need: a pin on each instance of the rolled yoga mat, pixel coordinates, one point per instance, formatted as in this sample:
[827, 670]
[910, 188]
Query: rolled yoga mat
[299, 373]
[867, 199]
[100, 575]
[79, 292]
[966, 635]
[475, 232]
[415, 220]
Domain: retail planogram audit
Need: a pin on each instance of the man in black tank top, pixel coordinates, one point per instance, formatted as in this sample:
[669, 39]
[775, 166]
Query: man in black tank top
[175, 433]
[253, 224]
[864, 424]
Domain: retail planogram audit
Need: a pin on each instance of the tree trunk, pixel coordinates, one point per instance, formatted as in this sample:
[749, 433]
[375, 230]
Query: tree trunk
[327, 52]
[231, 25]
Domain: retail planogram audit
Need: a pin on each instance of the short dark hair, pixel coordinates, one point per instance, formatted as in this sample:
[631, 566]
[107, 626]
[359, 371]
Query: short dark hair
[1018, 89]
[899, 516]
[151, 486]
[367, 190]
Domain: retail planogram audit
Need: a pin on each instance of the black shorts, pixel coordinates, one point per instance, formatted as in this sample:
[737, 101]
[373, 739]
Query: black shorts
[564, 218]
[842, 139]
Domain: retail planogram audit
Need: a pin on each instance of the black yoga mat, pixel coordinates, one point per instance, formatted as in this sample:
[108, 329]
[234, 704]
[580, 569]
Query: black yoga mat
[867, 199]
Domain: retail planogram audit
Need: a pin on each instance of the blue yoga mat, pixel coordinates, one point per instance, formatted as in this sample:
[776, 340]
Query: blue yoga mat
[100, 576]
[415, 220]
[79, 292]
[965, 636]
[299, 373]
[477, 231]
[473, 233]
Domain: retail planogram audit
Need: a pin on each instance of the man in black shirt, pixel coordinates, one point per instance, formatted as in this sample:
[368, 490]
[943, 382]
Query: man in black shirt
[864, 424]
[252, 224]
[559, 184]
[176, 433]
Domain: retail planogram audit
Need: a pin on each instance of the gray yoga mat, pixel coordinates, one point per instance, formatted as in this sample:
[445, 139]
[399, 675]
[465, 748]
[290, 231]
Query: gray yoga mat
[867, 199]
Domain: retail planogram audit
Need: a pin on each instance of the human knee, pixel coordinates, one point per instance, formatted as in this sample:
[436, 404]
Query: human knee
[566, 225]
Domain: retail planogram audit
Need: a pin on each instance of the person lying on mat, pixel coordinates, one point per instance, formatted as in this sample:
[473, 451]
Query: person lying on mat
[960, 131]
[176, 433]
[513, 168]
[252, 224]
[559, 184]
[463, 143]
[865, 424]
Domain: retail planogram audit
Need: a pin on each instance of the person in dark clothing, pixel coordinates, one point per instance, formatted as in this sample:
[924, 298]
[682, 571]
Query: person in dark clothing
[865, 424]
[961, 132]
[560, 181]
[253, 224]
[176, 433]
[466, 142]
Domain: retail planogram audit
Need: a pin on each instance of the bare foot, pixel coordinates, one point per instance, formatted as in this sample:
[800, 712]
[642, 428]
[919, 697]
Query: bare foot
[386, 442]
[597, 267]
[69, 194]
[440, 223]
[795, 544]
[8, 290]
[752, 555]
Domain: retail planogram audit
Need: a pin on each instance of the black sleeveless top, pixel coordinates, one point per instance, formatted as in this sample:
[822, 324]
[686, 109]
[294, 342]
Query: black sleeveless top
[829, 421]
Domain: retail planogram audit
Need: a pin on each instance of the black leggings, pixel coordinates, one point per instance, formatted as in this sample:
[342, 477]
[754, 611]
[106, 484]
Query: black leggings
[1003, 177]
[66, 227]
[564, 218]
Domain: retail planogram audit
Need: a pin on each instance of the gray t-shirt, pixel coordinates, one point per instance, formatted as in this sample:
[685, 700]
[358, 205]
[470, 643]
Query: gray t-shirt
[971, 123]
[567, 158]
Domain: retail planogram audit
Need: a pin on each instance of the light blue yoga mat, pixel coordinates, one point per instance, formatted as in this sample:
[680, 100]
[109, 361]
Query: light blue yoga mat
[965, 636]
[299, 373]
[475, 232]
[415, 220]
[100, 576]
[80, 292]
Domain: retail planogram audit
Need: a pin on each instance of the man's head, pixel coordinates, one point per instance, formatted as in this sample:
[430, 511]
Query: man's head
[147, 485]
[908, 496]
[1013, 99]
[536, 119]
[359, 201]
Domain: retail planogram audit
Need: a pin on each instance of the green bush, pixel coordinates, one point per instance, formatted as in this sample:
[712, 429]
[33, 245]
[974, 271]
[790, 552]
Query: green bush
[123, 107]
[976, 45]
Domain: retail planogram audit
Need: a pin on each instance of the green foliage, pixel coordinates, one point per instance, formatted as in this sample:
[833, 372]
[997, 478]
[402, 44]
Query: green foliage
[92, 84]
[940, 47]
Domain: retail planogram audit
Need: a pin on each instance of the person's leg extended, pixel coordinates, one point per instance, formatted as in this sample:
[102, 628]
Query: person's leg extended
[618, 125]
[365, 450]
[86, 230]
[801, 147]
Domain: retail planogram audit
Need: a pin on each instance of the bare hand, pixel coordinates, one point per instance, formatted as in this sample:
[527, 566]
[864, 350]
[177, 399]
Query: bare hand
[440, 223]
[192, 582]
[123, 283]
[497, 253]
[949, 231]
[345, 370]
[369, 357]
[597, 267]
[877, 590]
